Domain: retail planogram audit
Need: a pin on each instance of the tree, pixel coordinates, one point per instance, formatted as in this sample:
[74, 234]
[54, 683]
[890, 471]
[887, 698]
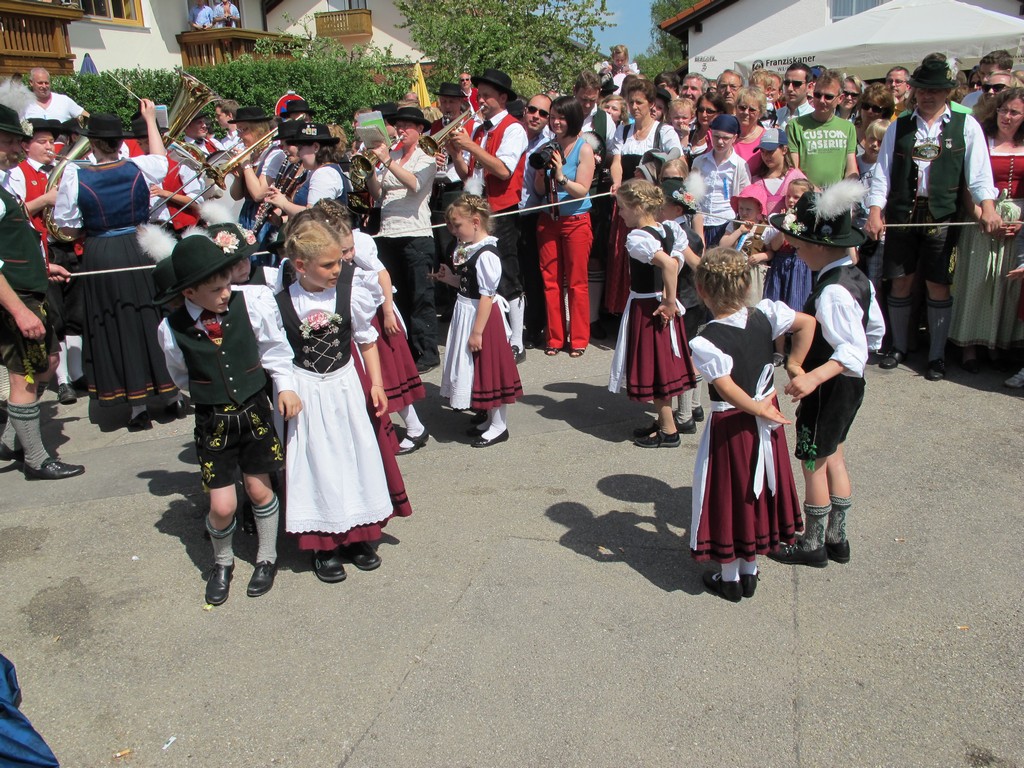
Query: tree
[541, 44]
[664, 53]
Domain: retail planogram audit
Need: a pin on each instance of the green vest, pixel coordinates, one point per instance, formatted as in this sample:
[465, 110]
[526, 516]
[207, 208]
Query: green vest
[945, 173]
[220, 374]
[21, 248]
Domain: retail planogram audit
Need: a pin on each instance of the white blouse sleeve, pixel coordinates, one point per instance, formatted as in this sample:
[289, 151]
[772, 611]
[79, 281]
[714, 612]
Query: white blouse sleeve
[680, 240]
[670, 139]
[363, 309]
[326, 183]
[642, 245]
[488, 273]
[618, 140]
[173, 356]
[370, 281]
[712, 362]
[366, 252]
[65, 210]
[153, 167]
[779, 314]
[275, 352]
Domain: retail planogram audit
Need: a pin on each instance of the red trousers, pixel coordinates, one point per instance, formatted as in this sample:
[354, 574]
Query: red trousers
[564, 248]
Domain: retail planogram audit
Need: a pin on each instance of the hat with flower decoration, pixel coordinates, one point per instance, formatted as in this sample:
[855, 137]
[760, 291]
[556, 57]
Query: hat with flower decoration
[686, 193]
[14, 99]
[825, 217]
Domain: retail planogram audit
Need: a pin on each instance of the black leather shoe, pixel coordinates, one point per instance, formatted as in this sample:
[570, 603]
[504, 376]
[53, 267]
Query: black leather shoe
[362, 555]
[891, 359]
[749, 583]
[219, 584]
[688, 427]
[328, 566]
[175, 410]
[647, 431]
[53, 469]
[483, 443]
[597, 331]
[698, 413]
[140, 423]
[425, 367]
[790, 554]
[659, 440]
[80, 384]
[417, 442]
[729, 590]
[66, 395]
[11, 454]
[936, 370]
[971, 366]
[262, 579]
[478, 418]
[838, 553]
[518, 354]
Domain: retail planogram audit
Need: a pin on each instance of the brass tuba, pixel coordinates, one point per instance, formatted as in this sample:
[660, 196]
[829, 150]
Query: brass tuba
[190, 98]
[76, 152]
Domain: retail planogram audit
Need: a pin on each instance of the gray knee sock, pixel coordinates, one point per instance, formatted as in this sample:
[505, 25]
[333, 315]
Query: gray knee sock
[836, 531]
[9, 438]
[815, 519]
[266, 530]
[899, 321]
[223, 552]
[939, 315]
[25, 421]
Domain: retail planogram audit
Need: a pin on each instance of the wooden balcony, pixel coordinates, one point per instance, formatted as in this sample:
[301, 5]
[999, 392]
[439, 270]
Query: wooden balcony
[206, 47]
[345, 26]
[35, 34]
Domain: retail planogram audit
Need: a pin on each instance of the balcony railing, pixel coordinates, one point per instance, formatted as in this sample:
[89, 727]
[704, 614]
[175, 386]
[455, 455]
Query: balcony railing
[342, 25]
[35, 34]
[206, 47]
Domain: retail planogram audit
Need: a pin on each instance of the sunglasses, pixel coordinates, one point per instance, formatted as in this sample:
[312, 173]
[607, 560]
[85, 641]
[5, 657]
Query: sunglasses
[795, 83]
[537, 110]
[994, 87]
[465, 79]
[872, 108]
[851, 94]
[890, 81]
[745, 108]
[822, 96]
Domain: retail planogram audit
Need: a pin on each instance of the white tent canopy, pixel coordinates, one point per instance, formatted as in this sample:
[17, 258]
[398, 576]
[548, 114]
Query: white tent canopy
[897, 33]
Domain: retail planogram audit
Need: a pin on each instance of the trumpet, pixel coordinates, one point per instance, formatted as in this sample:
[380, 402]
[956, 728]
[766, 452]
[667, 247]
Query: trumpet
[365, 163]
[221, 165]
[439, 139]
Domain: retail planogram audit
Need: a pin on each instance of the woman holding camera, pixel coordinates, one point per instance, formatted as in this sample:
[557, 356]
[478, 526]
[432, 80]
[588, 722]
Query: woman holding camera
[564, 235]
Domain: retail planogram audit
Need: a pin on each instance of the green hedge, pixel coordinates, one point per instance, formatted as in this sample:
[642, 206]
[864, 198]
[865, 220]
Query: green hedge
[333, 80]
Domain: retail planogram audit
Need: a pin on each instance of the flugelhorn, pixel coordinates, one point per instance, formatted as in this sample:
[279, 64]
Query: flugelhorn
[440, 138]
[365, 163]
[221, 165]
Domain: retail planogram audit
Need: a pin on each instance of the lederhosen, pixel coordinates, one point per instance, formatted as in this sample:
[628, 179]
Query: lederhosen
[927, 248]
[824, 417]
[234, 419]
[24, 268]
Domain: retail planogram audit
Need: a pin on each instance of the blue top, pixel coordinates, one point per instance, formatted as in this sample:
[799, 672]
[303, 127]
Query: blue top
[112, 197]
[572, 162]
[201, 16]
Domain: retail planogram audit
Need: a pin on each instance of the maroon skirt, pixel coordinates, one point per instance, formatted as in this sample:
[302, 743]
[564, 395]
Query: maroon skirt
[400, 506]
[653, 371]
[616, 280]
[733, 522]
[495, 375]
[401, 380]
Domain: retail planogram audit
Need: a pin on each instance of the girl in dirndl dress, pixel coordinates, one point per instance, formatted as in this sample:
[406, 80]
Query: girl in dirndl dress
[744, 497]
[479, 366]
[650, 357]
[339, 492]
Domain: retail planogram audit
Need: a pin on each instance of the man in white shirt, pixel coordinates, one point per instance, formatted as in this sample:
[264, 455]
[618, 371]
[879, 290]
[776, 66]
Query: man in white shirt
[225, 111]
[795, 88]
[535, 121]
[50, 105]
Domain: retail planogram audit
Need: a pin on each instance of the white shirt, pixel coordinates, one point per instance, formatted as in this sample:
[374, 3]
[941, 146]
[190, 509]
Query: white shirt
[977, 168]
[643, 246]
[66, 213]
[972, 98]
[842, 324]
[712, 362]
[230, 141]
[630, 145]
[326, 183]
[16, 180]
[405, 212]
[513, 145]
[60, 108]
[275, 352]
[530, 197]
[488, 266]
[588, 125]
[721, 182]
[782, 116]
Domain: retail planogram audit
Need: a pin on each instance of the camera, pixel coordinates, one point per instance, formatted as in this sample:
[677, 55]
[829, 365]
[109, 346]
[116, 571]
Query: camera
[541, 159]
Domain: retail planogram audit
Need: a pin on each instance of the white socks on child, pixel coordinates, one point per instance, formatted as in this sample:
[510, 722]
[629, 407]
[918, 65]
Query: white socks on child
[731, 571]
[73, 346]
[413, 426]
[517, 307]
[497, 423]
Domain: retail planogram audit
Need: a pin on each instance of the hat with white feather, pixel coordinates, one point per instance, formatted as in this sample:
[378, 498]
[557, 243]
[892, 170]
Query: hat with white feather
[825, 217]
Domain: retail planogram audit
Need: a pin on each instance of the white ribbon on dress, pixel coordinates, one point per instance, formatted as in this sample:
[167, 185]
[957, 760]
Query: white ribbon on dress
[764, 465]
[617, 378]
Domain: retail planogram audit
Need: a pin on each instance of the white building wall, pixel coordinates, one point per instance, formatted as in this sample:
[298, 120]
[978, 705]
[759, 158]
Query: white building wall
[295, 16]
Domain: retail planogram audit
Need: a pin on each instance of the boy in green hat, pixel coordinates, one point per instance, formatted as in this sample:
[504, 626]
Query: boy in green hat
[217, 345]
[831, 389]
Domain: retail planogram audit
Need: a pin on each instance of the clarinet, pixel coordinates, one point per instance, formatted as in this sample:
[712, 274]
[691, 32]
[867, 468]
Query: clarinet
[288, 180]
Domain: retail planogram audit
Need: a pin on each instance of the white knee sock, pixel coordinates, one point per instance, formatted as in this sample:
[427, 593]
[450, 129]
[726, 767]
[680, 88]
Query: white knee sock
[74, 347]
[62, 364]
[497, 424]
[748, 567]
[137, 410]
[413, 426]
[517, 307]
[731, 571]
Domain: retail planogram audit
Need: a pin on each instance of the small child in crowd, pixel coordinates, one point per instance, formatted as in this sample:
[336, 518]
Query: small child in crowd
[748, 236]
[650, 357]
[744, 497]
[828, 380]
[479, 367]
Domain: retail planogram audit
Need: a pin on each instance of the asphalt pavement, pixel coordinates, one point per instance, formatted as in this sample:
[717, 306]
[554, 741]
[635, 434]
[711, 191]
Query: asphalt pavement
[540, 607]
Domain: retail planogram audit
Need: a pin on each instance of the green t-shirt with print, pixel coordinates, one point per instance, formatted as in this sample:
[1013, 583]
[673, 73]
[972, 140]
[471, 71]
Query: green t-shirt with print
[822, 147]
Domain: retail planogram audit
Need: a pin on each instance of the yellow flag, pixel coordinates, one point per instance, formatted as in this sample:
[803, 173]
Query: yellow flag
[420, 87]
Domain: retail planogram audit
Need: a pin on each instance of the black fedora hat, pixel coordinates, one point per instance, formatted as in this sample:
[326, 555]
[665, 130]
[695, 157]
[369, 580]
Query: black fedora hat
[310, 133]
[498, 79]
[140, 129]
[411, 115]
[104, 125]
[386, 109]
[11, 123]
[194, 259]
[251, 115]
[450, 89]
[934, 74]
[46, 126]
[824, 221]
[297, 105]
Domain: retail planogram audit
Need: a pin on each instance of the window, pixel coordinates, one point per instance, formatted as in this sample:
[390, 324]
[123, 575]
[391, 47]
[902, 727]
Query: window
[843, 9]
[347, 5]
[128, 11]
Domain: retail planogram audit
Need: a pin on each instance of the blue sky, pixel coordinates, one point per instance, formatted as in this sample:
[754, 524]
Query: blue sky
[632, 26]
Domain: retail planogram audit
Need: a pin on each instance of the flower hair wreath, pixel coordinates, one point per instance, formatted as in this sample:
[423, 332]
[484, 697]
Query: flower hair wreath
[229, 242]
